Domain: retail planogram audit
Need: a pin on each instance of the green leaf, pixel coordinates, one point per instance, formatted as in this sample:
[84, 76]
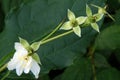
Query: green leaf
[35, 46]
[95, 26]
[117, 55]
[8, 5]
[36, 57]
[80, 70]
[24, 42]
[117, 17]
[109, 38]
[109, 74]
[98, 16]
[100, 61]
[14, 76]
[5, 58]
[88, 10]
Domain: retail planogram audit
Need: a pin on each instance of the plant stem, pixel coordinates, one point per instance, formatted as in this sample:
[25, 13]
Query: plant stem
[58, 36]
[91, 56]
[3, 67]
[53, 31]
[93, 68]
[6, 75]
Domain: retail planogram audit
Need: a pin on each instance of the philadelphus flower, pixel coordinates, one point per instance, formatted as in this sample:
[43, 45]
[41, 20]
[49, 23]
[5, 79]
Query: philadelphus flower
[24, 60]
[73, 23]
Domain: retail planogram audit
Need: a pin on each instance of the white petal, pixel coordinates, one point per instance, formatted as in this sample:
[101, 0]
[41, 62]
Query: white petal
[12, 64]
[77, 31]
[20, 68]
[20, 49]
[81, 20]
[18, 46]
[66, 26]
[71, 15]
[16, 54]
[95, 26]
[28, 65]
[35, 69]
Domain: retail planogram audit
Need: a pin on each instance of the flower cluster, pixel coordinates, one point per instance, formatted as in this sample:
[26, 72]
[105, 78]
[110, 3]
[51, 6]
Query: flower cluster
[91, 19]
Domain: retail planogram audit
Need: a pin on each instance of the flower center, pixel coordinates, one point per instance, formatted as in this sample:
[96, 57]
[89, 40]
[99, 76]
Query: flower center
[74, 23]
[26, 58]
[30, 51]
[92, 19]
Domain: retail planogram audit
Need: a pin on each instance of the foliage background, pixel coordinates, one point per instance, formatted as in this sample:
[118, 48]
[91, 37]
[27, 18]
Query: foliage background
[66, 58]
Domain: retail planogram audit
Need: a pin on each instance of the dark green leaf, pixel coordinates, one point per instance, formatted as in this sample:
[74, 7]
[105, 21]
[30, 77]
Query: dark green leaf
[100, 61]
[14, 76]
[80, 70]
[109, 38]
[117, 17]
[108, 74]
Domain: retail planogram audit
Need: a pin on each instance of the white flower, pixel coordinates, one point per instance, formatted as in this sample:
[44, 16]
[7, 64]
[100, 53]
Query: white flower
[73, 23]
[23, 62]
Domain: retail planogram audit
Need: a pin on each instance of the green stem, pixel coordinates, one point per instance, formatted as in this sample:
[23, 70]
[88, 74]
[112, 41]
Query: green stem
[58, 36]
[3, 67]
[93, 68]
[6, 75]
[53, 31]
[91, 56]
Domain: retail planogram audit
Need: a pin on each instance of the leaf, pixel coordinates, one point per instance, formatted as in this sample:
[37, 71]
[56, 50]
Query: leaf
[109, 38]
[100, 61]
[6, 58]
[8, 5]
[108, 74]
[36, 57]
[24, 42]
[80, 70]
[88, 10]
[35, 46]
[95, 26]
[14, 76]
[117, 17]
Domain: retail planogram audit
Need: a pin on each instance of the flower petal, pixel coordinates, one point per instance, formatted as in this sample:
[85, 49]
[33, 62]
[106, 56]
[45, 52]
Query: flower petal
[35, 69]
[77, 31]
[95, 26]
[28, 65]
[20, 50]
[71, 15]
[18, 46]
[12, 64]
[20, 68]
[98, 16]
[81, 19]
[66, 26]
[88, 11]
